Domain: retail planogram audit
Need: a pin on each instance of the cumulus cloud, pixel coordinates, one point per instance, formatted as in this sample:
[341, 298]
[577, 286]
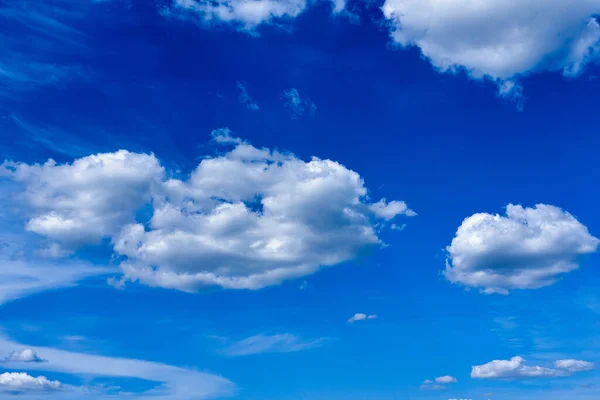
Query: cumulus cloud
[515, 368]
[361, 317]
[251, 218]
[21, 383]
[245, 219]
[25, 355]
[297, 105]
[499, 39]
[87, 200]
[281, 343]
[526, 249]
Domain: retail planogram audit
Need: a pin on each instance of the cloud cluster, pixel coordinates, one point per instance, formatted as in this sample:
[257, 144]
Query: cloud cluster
[280, 343]
[438, 383]
[20, 382]
[245, 219]
[526, 249]
[86, 200]
[246, 15]
[361, 317]
[499, 39]
[515, 368]
[167, 381]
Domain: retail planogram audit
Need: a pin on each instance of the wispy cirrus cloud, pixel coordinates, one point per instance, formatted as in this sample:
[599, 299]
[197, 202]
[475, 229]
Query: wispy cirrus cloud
[279, 343]
[170, 382]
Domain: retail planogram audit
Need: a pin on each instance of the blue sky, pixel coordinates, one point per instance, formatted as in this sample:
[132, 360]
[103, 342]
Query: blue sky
[289, 199]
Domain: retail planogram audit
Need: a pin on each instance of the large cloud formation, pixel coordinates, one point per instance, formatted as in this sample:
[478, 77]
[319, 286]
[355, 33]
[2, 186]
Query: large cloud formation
[246, 219]
[89, 199]
[515, 368]
[499, 39]
[526, 249]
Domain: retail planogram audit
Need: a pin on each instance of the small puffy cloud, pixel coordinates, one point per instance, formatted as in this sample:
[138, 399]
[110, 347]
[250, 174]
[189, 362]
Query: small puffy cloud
[574, 365]
[361, 317]
[87, 200]
[446, 379]
[251, 218]
[527, 249]
[281, 343]
[245, 15]
[22, 383]
[388, 211]
[223, 136]
[515, 368]
[438, 383]
[296, 105]
[25, 355]
[244, 97]
[497, 39]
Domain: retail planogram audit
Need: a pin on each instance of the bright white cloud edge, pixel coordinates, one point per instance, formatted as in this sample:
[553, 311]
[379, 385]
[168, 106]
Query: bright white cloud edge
[516, 368]
[529, 248]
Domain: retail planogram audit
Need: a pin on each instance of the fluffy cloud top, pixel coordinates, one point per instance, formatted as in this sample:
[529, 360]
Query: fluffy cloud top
[361, 317]
[20, 382]
[526, 249]
[25, 355]
[245, 219]
[87, 200]
[282, 343]
[251, 218]
[497, 38]
[515, 368]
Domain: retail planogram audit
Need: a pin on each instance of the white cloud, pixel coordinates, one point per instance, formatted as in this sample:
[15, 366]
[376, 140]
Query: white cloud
[446, 379]
[526, 249]
[245, 219]
[388, 211]
[173, 382]
[25, 355]
[87, 200]
[574, 365]
[298, 106]
[21, 383]
[223, 136]
[249, 219]
[361, 317]
[438, 383]
[19, 278]
[499, 39]
[245, 15]
[245, 98]
[515, 368]
[53, 251]
[281, 343]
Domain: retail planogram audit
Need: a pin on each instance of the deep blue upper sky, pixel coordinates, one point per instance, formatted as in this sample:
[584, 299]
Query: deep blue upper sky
[251, 268]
